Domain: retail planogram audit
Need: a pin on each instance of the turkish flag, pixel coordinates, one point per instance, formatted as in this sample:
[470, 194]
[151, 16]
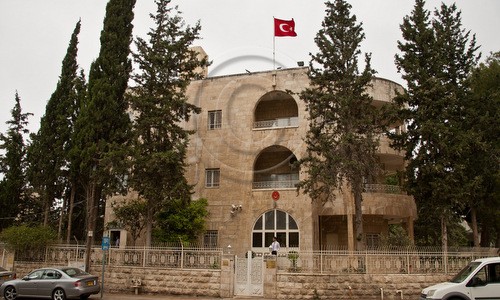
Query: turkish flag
[284, 27]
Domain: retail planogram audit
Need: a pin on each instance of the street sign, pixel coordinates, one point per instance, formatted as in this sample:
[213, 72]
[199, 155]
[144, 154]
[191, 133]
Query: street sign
[105, 243]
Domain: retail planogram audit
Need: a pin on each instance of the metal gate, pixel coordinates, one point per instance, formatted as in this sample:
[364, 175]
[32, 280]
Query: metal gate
[249, 276]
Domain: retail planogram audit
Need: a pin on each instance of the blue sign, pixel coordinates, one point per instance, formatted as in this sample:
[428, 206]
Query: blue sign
[105, 243]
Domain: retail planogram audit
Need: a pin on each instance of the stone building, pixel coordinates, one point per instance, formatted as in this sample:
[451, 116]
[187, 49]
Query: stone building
[249, 133]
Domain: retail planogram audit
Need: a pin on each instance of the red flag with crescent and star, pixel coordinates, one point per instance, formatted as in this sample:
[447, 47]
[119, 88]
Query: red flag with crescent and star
[284, 27]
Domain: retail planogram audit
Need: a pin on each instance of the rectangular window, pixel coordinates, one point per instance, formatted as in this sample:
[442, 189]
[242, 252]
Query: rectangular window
[372, 240]
[210, 238]
[212, 178]
[214, 119]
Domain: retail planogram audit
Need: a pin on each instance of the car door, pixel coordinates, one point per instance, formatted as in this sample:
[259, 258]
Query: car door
[48, 282]
[29, 284]
[488, 286]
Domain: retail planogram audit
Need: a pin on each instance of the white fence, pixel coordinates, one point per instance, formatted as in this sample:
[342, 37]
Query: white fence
[380, 262]
[402, 261]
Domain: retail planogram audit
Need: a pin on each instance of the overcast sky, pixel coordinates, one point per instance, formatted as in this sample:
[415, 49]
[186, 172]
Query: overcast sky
[236, 34]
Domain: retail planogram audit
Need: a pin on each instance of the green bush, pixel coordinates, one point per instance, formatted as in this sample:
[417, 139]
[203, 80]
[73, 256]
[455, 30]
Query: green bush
[25, 238]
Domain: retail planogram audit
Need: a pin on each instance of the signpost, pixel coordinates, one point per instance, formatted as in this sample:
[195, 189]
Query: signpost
[104, 247]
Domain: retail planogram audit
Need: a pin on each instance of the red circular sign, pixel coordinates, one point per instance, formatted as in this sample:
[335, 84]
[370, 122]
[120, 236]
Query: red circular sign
[275, 195]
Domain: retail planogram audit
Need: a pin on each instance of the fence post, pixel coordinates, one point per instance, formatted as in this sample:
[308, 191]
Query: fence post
[408, 266]
[182, 256]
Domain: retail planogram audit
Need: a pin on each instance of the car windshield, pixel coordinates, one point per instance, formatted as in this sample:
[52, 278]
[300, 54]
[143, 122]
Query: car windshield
[465, 272]
[73, 272]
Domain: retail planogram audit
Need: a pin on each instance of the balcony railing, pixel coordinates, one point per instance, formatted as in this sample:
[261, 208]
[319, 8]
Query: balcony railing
[276, 184]
[277, 123]
[383, 188]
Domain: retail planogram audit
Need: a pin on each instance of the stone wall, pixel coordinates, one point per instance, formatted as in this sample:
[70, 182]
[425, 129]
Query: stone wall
[164, 281]
[153, 281]
[277, 285]
[365, 287]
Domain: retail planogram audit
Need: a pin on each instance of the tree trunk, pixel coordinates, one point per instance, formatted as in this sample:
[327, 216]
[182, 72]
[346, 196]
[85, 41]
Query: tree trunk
[149, 225]
[46, 207]
[444, 235]
[70, 213]
[61, 218]
[91, 213]
[475, 233]
[358, 219]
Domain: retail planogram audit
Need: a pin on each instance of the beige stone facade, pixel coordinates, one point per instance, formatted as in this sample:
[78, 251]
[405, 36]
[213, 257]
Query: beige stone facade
[249, 133]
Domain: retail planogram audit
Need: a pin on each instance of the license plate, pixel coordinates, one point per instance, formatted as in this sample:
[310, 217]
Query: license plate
[90, 283]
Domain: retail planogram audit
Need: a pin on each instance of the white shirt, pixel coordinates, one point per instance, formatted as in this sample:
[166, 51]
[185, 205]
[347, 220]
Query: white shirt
[275, 246]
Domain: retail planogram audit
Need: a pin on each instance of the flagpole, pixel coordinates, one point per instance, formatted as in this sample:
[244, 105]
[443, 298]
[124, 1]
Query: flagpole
[274, 46]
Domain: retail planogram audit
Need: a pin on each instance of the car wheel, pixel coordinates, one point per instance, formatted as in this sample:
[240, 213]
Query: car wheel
[58, 294]
[84, 297]
[10, 293]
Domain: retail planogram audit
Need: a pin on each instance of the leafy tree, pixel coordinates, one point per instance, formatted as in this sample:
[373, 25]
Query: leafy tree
[23, 237]
[48, 154]
[178, 222]
[481, 149]
[436, 57]
[167, 65]
[103, 125]
[343, 136]
[396, 237]
[131, 216]
[13, 165]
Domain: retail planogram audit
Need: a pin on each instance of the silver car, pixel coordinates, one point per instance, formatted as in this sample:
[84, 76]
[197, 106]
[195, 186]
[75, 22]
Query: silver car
[6, 275]
[58, 283]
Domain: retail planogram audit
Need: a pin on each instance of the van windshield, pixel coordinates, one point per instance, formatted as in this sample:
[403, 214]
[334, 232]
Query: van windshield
[465, 272]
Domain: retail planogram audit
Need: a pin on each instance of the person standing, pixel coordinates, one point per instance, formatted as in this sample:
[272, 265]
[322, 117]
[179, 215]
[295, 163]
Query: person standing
[275, 246]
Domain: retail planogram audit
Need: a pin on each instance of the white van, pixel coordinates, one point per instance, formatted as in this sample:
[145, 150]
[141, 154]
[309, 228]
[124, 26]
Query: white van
[478, 280]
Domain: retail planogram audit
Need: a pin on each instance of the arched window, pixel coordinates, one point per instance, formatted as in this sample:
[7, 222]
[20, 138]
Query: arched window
[275, 223]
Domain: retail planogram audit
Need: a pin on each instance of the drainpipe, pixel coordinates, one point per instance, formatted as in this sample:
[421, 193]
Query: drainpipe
[381, 294]
[400, 292]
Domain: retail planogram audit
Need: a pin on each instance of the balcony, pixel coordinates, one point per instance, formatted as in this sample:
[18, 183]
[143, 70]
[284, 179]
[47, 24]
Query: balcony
[279, 184]
[384, 188]
[277, 123]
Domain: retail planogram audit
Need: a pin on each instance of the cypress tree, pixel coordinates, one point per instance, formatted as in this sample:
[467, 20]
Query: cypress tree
[343, 136]
[436, 57]
[13, 165]
[49, 152]
[166, 67]
[103, 126]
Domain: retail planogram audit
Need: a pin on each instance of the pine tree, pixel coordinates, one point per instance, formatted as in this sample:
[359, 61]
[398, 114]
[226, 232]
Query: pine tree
[103, 126]
[13, 165]
[343, 136]
[49, 152]
[167, 65]
[436, 58]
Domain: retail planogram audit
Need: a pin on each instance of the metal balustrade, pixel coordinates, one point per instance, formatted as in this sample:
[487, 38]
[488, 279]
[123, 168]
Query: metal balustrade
[384, 188]
[277, 123]
[377, 261]
[275, 184]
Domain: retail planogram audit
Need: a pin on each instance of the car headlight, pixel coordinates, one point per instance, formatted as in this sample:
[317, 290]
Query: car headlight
[430, 293]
